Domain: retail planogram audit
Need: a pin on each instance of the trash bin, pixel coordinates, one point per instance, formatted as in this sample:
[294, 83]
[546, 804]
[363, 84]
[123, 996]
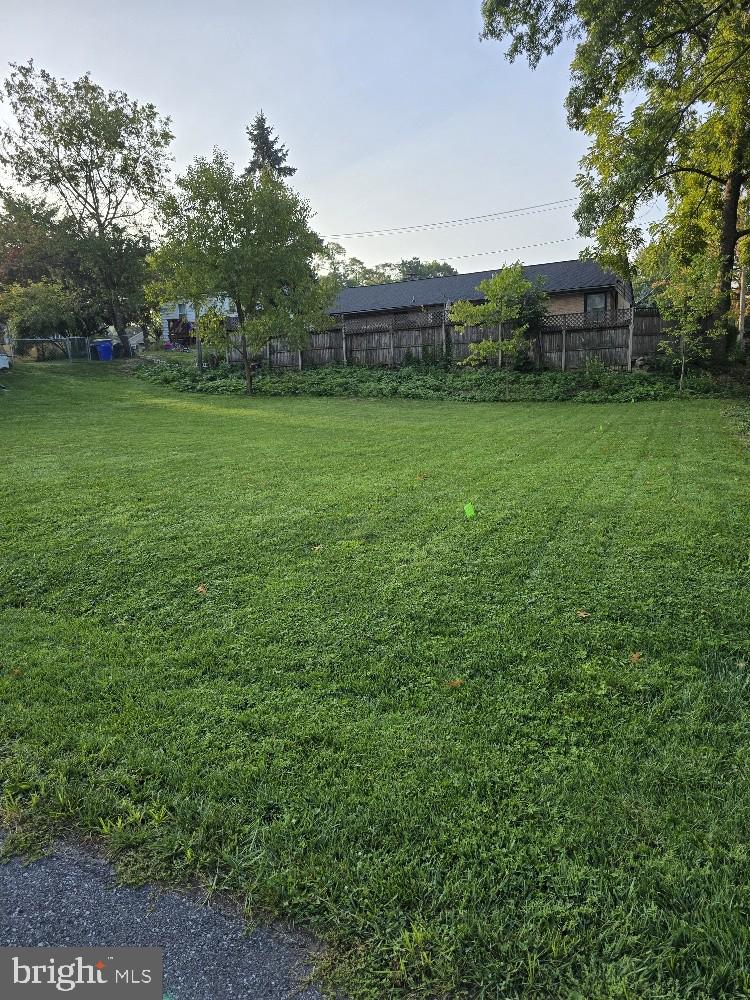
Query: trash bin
[104, 349]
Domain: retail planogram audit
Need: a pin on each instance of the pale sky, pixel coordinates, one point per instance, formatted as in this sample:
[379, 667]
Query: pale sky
[395, 114]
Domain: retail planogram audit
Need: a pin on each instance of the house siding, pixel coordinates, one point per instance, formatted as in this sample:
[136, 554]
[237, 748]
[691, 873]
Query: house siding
[575, 302]
[172, 311]
[558, 304]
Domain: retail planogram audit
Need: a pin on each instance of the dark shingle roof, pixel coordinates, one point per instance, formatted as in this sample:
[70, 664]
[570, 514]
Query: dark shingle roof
[560, 276]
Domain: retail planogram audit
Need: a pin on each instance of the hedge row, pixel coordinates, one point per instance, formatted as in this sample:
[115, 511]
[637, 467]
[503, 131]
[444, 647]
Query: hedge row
[593, 385]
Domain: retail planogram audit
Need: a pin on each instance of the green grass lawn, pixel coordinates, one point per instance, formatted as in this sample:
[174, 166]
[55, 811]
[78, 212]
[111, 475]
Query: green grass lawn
[258, 643]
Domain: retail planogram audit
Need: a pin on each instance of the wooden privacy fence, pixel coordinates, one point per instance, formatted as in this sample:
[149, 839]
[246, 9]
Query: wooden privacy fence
[648, 332]
[566, 341]
[570, 340]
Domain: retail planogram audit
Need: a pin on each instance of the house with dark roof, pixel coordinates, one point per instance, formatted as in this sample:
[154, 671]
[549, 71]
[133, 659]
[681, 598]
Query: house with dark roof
[589, 316]
[573, 286]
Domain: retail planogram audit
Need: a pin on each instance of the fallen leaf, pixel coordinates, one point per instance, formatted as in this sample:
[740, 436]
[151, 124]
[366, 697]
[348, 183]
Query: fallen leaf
[635, 657]
[201, 589]
[583, 613]
[454, 683]
[317, 548]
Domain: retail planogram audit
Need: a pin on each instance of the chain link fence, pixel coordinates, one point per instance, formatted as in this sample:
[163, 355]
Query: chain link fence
[53, 348]
[61, 348]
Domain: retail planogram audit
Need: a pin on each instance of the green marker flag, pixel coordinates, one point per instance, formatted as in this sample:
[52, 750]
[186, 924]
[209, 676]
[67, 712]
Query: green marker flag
[469, 510]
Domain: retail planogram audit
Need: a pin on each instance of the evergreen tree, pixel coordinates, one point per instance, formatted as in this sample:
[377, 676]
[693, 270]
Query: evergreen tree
[268, 152]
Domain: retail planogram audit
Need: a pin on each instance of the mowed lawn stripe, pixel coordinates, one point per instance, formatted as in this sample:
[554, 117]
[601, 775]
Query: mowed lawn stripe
[258, 643]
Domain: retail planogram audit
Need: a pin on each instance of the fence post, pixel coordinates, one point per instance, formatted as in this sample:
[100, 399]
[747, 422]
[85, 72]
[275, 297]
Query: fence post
[299, 360]
[343, 339]
[630, 338]
[67, 349]
[268, 354]
[390, 341]
[564, 345]
[444, 333]
[500, 345]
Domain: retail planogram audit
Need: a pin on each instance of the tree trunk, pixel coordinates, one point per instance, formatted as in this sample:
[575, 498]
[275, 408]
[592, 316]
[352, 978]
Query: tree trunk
[683, 361]
[728, 241]
[246, 363]
[198, 353]
[247, 366]
[119, 325]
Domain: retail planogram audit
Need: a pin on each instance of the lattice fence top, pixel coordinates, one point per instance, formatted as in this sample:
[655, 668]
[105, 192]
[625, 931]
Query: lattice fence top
[587, 321]
[414, 320]
[434, 317]
[375, 325]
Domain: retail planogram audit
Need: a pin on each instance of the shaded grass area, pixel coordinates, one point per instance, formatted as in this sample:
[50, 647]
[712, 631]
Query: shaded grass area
[258, 643]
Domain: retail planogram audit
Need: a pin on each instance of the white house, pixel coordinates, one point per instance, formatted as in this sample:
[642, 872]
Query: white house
[178, 318]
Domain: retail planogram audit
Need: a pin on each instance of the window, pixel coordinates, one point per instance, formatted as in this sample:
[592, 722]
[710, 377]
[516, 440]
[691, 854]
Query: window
[595, 302]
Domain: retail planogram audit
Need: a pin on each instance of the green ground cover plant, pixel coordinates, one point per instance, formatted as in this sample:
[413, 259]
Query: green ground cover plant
[595, 385]
[259, 644]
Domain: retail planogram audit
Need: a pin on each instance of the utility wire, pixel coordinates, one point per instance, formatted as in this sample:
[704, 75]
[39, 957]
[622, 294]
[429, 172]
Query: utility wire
[524, 246]
[545, 206]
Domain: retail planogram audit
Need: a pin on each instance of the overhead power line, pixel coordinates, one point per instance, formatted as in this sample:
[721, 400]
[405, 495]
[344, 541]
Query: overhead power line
[524, 246]
[545, 206]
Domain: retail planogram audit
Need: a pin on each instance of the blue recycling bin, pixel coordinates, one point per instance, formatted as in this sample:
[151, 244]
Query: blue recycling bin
[104, 349]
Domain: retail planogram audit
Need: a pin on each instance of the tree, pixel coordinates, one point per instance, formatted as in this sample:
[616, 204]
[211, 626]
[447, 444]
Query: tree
[42, 309]
[36, 245]
[212, 327]
[247, 240]
[662, 89]
[114, 268]
[743, 278]
[416, 268]
[268, 152]
[98, 161]
[351, 272]
[509, 297]
[684, 287]
[29, 249]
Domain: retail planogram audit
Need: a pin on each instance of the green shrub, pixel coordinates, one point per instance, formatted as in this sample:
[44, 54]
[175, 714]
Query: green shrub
[595, 372]
[594, 384]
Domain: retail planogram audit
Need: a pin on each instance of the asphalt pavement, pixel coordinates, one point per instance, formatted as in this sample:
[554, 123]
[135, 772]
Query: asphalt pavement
[71, 898]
